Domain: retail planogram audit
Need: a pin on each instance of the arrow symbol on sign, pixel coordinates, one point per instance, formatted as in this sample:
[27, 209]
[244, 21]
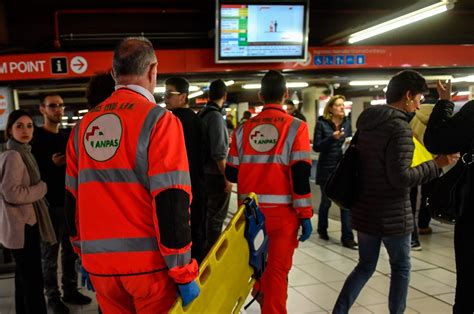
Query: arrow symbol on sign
[79, 64]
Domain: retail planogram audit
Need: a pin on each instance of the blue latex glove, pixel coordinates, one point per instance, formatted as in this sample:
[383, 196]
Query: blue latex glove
[306, 229]
[189, 292]
[85, 278]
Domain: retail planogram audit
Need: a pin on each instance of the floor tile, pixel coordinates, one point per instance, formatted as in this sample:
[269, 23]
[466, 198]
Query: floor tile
[447, 297]
[430, 306]
[297, 277]
[322, 295]
[428, 285]
[323, 272]
[441, 275]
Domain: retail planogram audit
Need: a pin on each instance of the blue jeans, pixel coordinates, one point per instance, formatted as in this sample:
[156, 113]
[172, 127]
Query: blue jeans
[398, 248]
[324, 206]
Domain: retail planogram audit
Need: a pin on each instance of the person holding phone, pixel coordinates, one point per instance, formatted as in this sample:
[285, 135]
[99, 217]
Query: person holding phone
[49, 147]
[332, 132]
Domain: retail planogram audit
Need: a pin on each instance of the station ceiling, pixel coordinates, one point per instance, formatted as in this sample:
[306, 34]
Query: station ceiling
[31, 26]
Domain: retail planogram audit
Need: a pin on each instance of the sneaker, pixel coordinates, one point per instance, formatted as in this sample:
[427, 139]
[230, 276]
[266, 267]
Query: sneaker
[351, 244]
[426, 230]
[77, 298]
[416, 246]
[57, 306]
[323, 235]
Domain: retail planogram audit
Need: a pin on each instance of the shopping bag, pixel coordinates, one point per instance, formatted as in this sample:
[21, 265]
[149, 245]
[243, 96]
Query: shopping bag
[340, 185]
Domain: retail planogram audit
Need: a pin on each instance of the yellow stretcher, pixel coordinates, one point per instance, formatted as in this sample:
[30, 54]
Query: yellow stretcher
[225, 276]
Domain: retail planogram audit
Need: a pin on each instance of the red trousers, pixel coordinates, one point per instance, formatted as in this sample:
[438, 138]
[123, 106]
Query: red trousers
[282, 229]
[150, 293]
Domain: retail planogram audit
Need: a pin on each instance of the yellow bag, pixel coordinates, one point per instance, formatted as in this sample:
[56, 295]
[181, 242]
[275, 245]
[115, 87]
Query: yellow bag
[421, 154]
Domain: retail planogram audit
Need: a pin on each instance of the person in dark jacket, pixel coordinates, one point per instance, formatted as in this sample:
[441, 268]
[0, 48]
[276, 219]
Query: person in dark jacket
[381, 210]
[176, 100]
[447, 133]
[293, 111]
[331, 132]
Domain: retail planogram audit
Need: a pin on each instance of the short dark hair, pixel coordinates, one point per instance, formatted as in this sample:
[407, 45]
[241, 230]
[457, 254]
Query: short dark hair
[100, 87]
[217, 89]
[404, 81]
[133, 56]
[45, 95]
[180, 83]
[12, 117]
[273, 87]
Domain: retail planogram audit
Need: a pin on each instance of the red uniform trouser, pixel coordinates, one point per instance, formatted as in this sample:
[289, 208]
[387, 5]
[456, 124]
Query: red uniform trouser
[149, 293]
[282, 228]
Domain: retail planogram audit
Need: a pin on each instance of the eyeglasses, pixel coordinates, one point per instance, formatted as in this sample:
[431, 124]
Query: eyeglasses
[56, 106]
[168, 93]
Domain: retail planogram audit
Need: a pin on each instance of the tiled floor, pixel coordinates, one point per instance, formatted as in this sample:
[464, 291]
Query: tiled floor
[320, 268]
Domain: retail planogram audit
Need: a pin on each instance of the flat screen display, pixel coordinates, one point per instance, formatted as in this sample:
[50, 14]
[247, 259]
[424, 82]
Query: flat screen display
[261, 32]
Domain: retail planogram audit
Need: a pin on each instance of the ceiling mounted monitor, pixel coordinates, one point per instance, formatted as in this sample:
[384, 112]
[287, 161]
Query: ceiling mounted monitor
[261, 31]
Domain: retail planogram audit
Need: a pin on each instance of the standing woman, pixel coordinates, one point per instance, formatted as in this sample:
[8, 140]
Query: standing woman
[24, 218]
[381, 209]
[330, 133]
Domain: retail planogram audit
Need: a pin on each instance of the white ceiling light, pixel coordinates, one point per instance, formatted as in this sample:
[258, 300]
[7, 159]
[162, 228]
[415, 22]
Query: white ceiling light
[403, 20]
[251, 86]
[296, 84]
[161, 89]
[288, 85]
[438, 77]
[469, 79]
[228, 83]
[378, 102]
[368, 83]
[83, 111]
[192, 95]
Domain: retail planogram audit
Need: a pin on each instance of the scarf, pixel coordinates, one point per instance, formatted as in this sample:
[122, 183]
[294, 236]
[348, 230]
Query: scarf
[41, 206]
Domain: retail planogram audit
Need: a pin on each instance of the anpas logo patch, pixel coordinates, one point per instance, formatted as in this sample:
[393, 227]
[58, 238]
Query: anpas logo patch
[263, 137]
[102, 137]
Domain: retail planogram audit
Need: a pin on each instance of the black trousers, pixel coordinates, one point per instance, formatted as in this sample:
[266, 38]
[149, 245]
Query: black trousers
[424, 217]
[50, 258]
[464, 251]
[217, 207]
[29, 297]
[414, 210]
[198, 225]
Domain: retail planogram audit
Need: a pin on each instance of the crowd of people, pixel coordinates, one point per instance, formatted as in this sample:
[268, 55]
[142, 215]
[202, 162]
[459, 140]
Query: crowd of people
[164, 179]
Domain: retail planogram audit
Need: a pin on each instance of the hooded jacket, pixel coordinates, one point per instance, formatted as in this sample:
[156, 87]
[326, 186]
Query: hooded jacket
[385, 148]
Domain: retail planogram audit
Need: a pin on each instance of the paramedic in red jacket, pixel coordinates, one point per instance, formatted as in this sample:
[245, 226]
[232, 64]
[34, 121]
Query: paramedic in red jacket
[270, 155]
[128, 193]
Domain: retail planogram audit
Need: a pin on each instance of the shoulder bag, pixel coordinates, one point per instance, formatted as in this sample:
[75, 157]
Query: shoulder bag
[451, 192]
[340, 185]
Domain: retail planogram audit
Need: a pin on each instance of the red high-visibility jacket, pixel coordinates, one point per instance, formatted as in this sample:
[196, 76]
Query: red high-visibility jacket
[122, 154]
[263, 150]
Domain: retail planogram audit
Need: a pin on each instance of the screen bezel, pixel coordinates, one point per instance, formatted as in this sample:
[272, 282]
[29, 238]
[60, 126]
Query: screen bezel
[262, 59]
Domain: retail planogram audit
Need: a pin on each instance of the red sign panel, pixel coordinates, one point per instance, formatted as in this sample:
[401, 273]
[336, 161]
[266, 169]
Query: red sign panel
[85, 64]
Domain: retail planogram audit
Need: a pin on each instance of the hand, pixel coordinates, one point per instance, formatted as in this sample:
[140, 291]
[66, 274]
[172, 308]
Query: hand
[59, 159]
[189, 292]
[445, 91]
[338, 134]
[444, 160]
[306, 229]
[228, 186]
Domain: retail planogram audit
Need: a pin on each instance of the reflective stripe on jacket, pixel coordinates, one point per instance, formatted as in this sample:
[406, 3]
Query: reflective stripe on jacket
[263, 150]
[122, 154]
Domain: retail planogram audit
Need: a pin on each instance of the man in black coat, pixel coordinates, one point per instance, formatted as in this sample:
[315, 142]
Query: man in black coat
[176, 100]
[446, 134]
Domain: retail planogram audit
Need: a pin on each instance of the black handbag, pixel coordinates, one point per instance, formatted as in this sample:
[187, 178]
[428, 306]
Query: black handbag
[451, 192]
[340, 184]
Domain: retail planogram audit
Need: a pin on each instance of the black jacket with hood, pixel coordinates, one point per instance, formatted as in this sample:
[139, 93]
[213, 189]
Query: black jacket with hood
[385, 148]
